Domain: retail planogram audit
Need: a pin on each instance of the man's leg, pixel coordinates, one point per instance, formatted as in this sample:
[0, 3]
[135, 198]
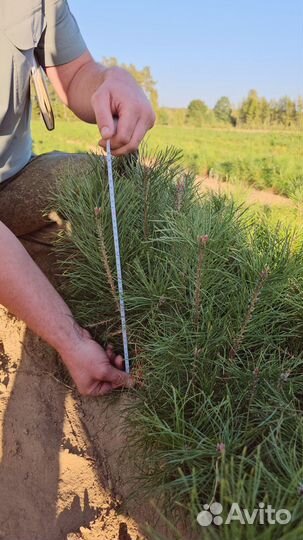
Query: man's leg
[23, 201]
[24, 198]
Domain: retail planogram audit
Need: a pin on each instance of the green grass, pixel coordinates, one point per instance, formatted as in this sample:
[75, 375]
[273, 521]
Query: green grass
[264, 160]
[73, 136]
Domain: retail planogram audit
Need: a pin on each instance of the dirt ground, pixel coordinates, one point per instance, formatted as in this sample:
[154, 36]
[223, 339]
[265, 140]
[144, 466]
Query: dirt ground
[55, 481]
[65, 471]
[51, 484]
[251, 195]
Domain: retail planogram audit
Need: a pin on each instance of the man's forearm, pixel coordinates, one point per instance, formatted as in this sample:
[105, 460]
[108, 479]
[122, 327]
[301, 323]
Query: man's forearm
[97, 94]
[81, 89]
[89, 77]
[76, 82]
[25, 292]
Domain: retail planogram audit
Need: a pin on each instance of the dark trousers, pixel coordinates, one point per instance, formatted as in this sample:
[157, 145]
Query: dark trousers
[24, 198]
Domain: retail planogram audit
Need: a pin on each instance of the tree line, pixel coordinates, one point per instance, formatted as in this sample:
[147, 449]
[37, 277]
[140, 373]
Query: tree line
[254, 111]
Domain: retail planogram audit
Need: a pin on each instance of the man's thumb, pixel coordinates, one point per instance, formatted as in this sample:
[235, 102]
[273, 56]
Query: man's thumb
[118, 378]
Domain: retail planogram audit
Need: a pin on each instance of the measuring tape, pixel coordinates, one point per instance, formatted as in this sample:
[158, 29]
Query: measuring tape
[117, 253]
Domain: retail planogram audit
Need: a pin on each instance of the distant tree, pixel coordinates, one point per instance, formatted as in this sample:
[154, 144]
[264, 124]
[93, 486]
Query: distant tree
[168, 116]
[264, 112]
[299, 105]
[299, 109]
[197, 112]
[223, 109]
[287, 113]
[142, 76]
[273, 112]
[163, 117]
[250, 110]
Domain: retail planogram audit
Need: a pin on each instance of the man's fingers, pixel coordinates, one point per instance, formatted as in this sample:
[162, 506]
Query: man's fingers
[102, 107]
[118, 362]
[126, 126]
[117, 378]
[115, 360]
[105, 388]
[110, 352]
[133, 144]
[125, 129]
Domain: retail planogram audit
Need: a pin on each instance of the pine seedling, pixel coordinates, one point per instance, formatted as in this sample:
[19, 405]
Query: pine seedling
[217, 337]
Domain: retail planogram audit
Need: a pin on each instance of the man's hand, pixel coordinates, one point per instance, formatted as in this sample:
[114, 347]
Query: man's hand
[26, 292]
[95, 371]
[119, 96]
[97, 94]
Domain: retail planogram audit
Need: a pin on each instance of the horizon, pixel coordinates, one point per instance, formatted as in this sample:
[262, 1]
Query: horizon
[225, 48]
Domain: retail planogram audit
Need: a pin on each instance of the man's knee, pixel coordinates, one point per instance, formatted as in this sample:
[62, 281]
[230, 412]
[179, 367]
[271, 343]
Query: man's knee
[23, 201]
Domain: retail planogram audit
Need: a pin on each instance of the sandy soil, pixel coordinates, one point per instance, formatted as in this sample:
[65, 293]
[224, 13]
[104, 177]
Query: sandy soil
[65, 471]
[251, 195]
[51, 484]
[53, 479]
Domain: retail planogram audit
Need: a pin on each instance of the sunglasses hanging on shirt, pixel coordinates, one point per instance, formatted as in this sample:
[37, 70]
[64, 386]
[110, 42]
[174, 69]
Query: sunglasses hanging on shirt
[42, 95]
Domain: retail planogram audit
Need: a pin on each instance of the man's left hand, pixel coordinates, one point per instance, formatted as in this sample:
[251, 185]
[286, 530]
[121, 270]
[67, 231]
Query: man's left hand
[119, 96]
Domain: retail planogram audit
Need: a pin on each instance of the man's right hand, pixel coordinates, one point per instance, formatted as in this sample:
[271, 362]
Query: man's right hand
[25, 292]
[95, 371]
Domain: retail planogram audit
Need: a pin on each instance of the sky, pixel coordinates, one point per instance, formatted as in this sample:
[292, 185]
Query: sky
[201, 49]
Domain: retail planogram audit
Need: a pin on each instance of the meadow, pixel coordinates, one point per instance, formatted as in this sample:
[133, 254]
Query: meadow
[270, 160]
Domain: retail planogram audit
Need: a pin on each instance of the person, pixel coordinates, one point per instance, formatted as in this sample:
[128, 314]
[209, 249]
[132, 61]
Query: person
[47, 31]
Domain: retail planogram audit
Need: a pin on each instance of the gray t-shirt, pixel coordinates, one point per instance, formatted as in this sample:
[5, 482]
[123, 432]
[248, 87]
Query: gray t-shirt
[48, 29]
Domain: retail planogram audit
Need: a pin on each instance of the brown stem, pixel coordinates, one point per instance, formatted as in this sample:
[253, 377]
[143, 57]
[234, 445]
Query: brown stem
[146, 207]
[248, 317]
[104, 258]
[180, 194]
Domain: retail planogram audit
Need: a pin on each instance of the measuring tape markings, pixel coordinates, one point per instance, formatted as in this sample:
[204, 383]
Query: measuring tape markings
[117, 253]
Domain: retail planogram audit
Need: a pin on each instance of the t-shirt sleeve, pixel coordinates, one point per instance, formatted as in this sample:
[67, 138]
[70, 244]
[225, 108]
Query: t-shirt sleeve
[61, 41]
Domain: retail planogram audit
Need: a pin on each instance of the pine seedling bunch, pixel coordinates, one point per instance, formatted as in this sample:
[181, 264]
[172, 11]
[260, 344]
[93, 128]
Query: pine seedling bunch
[215, 320]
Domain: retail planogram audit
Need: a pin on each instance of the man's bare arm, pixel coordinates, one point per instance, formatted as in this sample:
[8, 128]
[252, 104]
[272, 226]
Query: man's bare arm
[98, 94]
[26, 292]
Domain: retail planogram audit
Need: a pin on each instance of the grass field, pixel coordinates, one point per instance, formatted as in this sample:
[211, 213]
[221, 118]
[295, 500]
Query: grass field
[264, 160]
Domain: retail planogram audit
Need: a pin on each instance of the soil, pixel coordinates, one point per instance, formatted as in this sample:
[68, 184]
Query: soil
[252, 195]
[51, 484]
[65, 470]
[54, 479]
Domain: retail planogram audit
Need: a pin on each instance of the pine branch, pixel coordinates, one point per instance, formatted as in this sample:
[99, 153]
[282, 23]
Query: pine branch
[104, 257]
[203, 240]
[249, 314]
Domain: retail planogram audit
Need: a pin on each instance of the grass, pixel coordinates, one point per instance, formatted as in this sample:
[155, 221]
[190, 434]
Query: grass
[73, 136]
[214, 302]
[262, 159]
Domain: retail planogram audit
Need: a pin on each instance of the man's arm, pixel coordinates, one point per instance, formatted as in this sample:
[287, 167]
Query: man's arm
[25, 292]
[97, 94]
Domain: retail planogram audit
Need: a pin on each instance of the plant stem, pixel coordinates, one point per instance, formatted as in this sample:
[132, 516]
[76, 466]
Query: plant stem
[248, 317]
[104, 258]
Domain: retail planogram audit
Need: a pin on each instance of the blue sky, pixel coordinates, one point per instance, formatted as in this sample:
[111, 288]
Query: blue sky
[202, 49]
